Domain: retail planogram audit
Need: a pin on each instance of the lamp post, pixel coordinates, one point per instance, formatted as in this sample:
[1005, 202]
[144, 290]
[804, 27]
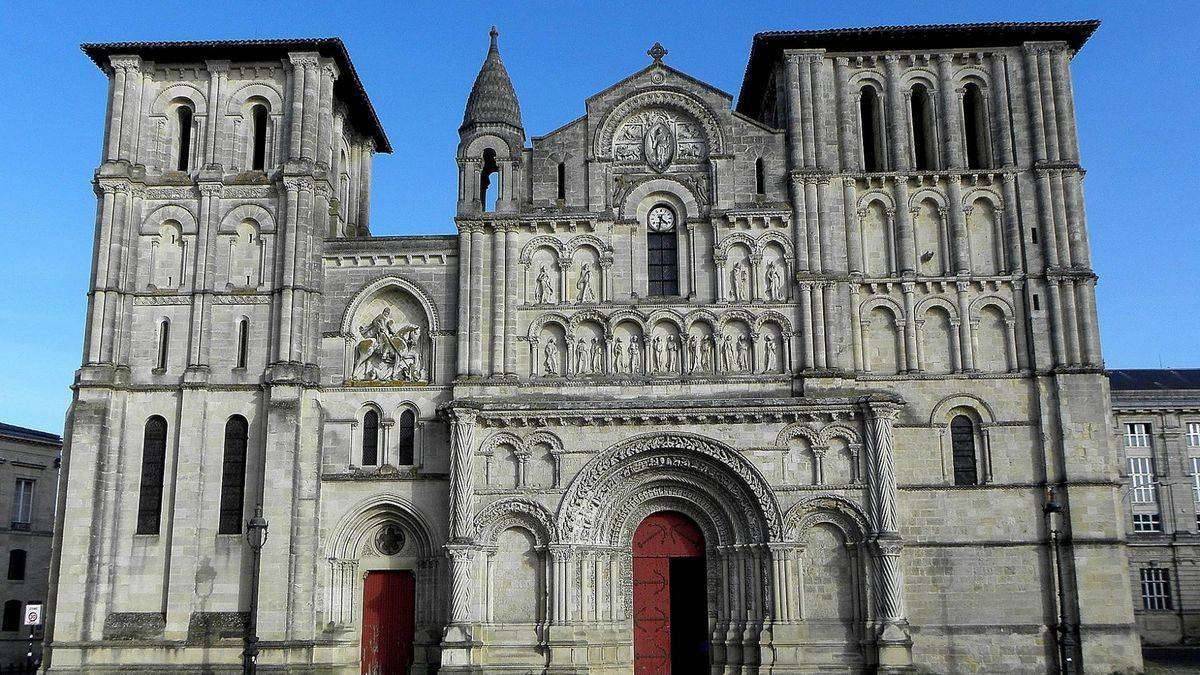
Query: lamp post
[256, 537]
[1066, 637]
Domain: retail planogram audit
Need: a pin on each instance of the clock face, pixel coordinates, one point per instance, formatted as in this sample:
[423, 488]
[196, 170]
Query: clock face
[661, 219]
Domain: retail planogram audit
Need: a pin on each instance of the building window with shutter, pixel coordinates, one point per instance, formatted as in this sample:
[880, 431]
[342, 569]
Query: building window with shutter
[22, 509]
[12, 616]
[16, 564]
[1141, 475]
[1156, 588]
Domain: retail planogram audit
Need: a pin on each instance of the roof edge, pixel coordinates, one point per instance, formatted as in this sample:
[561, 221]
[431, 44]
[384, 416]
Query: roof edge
[904, 37]
[349, 84]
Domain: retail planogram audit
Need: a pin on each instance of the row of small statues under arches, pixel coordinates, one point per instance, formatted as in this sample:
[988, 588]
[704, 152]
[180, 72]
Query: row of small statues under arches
[739, 276]
[664, 355]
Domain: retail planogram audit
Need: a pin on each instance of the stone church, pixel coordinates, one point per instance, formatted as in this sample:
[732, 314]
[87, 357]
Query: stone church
[773, 384]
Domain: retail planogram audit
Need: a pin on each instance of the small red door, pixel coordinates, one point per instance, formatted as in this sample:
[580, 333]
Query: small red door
[668, 550]
[388, 618]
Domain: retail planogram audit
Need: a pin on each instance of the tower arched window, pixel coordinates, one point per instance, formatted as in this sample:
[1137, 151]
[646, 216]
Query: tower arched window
[164, 343]
[871, 129]
[490, 168]
[921, 113]
[760, 178]
[562, 180]
[979, 155]
[370, 439]
[962, 444]
[407, 438]
[258, 137]
[183, 122]
[243, 342]
[154, 453]
[233, 476]
[662, 251]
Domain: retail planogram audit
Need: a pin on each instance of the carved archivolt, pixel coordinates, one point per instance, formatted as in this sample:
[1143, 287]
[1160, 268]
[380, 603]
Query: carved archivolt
[833, 509]
[350, 537]
[665, 99]
[542, 241]
[371, 289]
[545, 438]
[179, 214]
[796, 430]
[675, 458]
[941, 410]
[266, 222]
[514, 512]
[501, 438]
[841, 431]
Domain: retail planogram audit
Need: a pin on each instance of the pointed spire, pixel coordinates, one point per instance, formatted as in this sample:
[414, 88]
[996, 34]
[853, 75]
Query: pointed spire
[493, 99]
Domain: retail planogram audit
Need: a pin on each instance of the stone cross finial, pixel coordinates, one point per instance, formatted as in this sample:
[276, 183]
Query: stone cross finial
[493, 33]
[657, 52]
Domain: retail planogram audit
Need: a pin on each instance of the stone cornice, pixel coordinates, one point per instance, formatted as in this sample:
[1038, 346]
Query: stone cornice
[552, 411]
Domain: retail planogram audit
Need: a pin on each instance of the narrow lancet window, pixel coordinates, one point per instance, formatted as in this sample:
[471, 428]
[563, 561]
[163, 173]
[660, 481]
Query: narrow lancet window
[370, 439]
[183, 118]
[562, 181]
[871, 126]
[489, 169]
[921, 112]
[164, 344]
[154, 453]
[760, 179]
[233, 476]
[962, 441]
[243, 341]
[407, 438]
[975, 128]
[258, 141]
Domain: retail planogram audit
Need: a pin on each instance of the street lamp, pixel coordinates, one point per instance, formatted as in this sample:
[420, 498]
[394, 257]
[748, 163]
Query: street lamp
[1066, 638]
[256, 537]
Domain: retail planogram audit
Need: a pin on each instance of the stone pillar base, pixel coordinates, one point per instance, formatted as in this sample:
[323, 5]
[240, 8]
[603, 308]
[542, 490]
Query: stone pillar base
[895, 649]
[461, 649]
[568, 650]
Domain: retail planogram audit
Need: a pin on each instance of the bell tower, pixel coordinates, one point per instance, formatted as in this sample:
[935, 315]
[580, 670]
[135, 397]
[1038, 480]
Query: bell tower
[490, 141]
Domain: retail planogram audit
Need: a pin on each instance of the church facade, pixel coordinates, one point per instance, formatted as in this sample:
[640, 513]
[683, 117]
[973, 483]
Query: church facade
[772, 386]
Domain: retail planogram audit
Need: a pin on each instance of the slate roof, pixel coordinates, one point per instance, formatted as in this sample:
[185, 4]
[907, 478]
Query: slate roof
[13, 432]
[1154, 379]
[767, 47]
[348, 87]
[493, 99]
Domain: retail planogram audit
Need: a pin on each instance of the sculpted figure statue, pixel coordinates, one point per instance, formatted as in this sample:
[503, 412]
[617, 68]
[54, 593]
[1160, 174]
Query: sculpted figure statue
[635, 355]
[672, 354]
[693, 343]
[706, 353]
[774, 282]
[597, 356]
[544, 292]
[769, 352]
[658, 354]
[743, 354]
[619, 355]
[550, 362]
[582, 355]
[741, 279]
[583, 287]
[727, 353]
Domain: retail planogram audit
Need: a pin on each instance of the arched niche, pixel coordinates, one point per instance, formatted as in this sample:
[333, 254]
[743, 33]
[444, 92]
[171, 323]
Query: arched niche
[388, 329]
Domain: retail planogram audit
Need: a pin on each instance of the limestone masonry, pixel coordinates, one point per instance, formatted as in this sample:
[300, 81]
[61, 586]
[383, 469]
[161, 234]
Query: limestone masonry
[773, 386]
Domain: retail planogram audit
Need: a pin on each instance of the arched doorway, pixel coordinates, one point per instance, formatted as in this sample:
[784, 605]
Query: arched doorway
[670, 613]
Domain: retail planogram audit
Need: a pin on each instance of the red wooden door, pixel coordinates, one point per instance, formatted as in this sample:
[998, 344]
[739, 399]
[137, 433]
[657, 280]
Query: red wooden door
[661, 538]
[388, 618]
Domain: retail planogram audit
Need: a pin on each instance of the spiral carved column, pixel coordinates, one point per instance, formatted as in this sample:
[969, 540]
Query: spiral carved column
[895, 644]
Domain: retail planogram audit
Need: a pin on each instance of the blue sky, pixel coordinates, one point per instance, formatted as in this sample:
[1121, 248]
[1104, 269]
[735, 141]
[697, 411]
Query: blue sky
[1135, 96]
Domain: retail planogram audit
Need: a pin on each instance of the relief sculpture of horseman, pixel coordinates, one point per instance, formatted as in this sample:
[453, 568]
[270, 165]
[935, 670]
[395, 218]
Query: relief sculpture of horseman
[386, 352]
